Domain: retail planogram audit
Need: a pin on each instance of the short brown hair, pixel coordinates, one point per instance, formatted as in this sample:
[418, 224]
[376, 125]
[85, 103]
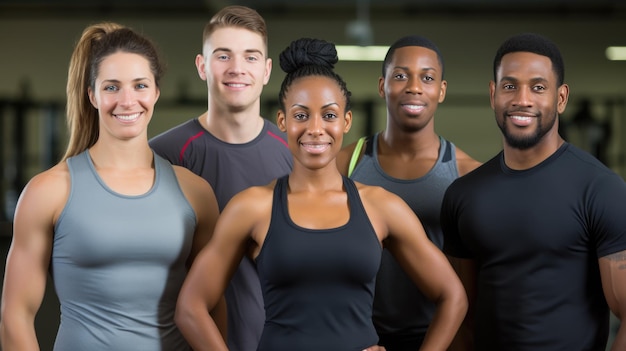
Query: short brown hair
[236, 16]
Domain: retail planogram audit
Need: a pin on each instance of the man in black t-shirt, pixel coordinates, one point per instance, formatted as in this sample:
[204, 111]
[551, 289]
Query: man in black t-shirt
[538, 233]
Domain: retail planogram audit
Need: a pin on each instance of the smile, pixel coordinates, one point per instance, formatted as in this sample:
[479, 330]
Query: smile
[128, 118]
[315, 148]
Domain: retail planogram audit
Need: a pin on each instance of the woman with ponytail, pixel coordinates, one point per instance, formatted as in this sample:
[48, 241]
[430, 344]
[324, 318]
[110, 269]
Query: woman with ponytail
[115, 225]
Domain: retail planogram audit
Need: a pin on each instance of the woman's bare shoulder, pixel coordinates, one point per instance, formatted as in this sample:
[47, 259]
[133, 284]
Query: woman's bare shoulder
[56, 178]
[46, 193]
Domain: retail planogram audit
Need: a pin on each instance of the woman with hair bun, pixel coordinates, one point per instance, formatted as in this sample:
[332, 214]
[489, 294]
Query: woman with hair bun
[316, 236]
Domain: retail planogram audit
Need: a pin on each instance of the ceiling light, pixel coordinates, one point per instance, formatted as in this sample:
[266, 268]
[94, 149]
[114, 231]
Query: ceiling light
[613, 53]
[361, 53]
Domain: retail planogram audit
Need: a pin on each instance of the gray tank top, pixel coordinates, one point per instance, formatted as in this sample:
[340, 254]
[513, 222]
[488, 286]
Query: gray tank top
[399, 306]
[118, 262]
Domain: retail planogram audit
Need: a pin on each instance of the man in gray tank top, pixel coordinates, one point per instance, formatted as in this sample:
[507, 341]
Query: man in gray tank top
[410, 159]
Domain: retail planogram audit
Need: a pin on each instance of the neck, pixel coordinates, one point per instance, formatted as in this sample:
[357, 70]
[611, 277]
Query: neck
[302, 179]
[233, 127]
[122, 156]
[409, 143]
[518, 159]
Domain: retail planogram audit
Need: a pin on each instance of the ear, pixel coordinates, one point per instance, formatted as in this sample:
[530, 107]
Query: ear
[492, 92]
[381, 87]
[563, 93]
[347, 121]
[280, 121]
[158, 94]
[201, 66]
[442, 90]
[268, 71]
[92, 98]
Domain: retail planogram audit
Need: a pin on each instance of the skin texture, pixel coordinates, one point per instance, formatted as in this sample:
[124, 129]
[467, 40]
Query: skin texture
[235, 72]
[527, 101]
[315, 121]
[412, 89]
[125, 93]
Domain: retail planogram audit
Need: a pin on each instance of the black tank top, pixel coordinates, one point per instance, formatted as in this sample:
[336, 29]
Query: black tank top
[318, 285]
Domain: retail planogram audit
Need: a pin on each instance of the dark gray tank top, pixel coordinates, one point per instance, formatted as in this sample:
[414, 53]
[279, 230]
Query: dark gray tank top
[118, 262]
[399, 307]
[318, 285]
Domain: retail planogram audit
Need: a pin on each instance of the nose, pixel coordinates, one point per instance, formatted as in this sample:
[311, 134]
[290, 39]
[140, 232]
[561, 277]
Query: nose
[236, 65]
[414, 85]
[127, 97]
[523, 97]
[315, 125]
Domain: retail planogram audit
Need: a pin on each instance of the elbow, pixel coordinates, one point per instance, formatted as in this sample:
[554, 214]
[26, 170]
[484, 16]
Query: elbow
[460, 299]
[455, 299]
[461, 302]
[183, 316]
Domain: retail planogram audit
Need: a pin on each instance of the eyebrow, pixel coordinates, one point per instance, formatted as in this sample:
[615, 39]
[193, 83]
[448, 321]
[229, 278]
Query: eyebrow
[230, 50]
[324, 106]
[108, 81]
[513, 79]
[406, 68]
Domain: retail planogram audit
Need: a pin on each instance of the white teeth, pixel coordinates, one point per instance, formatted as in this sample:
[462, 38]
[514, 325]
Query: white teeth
[521, 118]
[413, 107]
[237, 85]
[128, 117]
[315, 146]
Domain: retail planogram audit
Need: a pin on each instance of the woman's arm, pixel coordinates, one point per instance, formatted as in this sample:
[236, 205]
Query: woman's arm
[466, 270]
[424, 263]
[202, 198]
[215, 265]
[28, 259]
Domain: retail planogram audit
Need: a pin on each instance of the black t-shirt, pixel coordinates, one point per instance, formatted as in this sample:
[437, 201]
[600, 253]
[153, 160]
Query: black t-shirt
[536, 236]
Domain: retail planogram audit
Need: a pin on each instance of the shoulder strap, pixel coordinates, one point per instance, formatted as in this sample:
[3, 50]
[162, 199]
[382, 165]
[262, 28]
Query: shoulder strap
[355, 155]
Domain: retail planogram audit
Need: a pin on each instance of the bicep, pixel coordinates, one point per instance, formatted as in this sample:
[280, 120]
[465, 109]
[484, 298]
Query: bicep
[29, 255]
[613, 274]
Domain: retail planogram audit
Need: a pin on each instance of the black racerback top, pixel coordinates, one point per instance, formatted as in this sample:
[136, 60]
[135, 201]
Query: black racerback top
[318, 285]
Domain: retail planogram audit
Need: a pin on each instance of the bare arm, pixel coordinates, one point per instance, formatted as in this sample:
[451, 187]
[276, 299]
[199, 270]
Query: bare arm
[214, 266]
[424, 263]
[27, 263]
[466, 270]
[202, 198]
[613, 274]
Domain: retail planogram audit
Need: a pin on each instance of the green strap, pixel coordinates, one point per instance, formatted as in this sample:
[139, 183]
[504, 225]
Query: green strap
[355, 155]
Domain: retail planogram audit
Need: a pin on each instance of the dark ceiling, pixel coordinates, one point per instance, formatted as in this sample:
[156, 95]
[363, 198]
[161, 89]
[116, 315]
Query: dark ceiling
[322, 9]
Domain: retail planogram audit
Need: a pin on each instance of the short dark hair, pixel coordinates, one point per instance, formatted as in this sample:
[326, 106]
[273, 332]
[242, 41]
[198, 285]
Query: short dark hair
[412, 40]
[536, 44]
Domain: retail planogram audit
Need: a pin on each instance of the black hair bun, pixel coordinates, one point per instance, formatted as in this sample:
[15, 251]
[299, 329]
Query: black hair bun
[307, 52]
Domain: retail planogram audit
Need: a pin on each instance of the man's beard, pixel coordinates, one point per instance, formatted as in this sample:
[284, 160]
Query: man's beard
[525, 142]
